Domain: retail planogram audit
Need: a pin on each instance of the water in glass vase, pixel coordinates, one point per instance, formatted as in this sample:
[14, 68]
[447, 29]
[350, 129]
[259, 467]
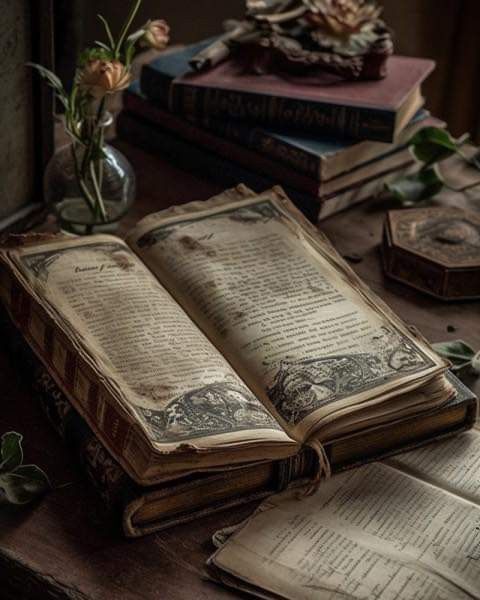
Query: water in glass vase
[89, 194]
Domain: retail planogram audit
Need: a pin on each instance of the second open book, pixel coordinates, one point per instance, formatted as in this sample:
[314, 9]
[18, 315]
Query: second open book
[220, 333]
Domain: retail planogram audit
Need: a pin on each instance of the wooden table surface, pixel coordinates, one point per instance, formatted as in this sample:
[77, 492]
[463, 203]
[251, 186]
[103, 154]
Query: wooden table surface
[61, 547]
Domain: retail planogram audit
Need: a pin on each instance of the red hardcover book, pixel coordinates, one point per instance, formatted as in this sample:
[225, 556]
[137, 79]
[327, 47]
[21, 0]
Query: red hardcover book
[376, 110]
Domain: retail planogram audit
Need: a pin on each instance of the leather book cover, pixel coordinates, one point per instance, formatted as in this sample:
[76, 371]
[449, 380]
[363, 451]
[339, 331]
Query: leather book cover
[123, 498]
[250, 156]
[359, 110]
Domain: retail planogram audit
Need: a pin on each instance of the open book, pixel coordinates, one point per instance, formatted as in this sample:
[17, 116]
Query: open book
[406, 528]
[221, 333]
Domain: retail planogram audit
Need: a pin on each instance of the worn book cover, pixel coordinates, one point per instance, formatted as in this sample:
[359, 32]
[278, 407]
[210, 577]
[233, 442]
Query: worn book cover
[375, 110]
[220, 168]
[318, 157]
[140, 510]
[250, 155]
[219, 335]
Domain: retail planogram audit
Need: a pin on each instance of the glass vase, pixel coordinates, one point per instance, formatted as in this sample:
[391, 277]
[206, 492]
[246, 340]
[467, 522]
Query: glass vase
[94, 202]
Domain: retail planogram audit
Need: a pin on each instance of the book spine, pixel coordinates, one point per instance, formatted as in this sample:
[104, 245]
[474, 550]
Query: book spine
[202, 162]
[158, 85]
[263, 142]
[346, 122]
[224, 146]
[118, 493]
[257, 139]
[114, 487]
[71, 372]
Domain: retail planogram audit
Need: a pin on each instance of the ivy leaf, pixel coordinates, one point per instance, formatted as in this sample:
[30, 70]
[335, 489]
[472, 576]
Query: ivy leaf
[458, 352]
[432, 144]
[11, 454]
[24, 484]
[414, 188]
[19, 484]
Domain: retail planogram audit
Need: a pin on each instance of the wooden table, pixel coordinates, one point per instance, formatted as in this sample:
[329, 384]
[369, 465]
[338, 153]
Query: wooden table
[61, 548]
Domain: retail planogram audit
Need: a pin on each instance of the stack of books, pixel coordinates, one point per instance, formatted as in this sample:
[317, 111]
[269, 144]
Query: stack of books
[330, 146]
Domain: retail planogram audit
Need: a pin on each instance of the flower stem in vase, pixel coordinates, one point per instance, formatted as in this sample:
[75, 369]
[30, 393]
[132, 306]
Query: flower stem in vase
[90, 185]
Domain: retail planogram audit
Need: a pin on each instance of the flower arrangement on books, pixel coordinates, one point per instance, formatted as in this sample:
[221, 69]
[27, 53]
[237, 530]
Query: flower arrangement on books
[89, 184]
[343, 37]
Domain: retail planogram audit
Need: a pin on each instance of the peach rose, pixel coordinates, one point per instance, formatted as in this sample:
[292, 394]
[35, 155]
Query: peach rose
[156, 34]
[102, 77]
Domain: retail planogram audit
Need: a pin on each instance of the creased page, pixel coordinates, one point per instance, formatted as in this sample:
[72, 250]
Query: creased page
[285, 313]
[452, 464]
[148, 352]
[370, 533]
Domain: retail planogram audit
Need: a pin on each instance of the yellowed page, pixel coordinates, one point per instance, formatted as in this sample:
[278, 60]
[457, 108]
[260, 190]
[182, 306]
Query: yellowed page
[147, 353]
[371, 533]
[286, 311]
[452, 464]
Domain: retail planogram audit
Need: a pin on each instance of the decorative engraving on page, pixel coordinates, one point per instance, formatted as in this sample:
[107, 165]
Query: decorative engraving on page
[178, 384]
[301, 387]
[221, 407]
[294, 321]
[256, 213]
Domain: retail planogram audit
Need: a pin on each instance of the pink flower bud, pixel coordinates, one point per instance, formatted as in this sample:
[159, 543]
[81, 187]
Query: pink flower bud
[156, 34]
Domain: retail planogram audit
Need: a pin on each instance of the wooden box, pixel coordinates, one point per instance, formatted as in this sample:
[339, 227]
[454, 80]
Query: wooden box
[435, 250]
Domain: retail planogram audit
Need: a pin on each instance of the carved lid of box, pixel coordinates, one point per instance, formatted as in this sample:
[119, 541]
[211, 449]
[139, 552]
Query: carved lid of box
[436, 250]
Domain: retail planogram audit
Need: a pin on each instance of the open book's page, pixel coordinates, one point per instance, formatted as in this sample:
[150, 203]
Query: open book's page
[286, 311]
[453, 464]
[371, 533]
[145, 350]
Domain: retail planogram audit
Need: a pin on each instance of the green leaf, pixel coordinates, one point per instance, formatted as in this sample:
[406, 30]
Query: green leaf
[102, 45]
[11, 453]
[458, 352]
[129, 54]
[53, 81]
[24, 484]
[50, 77]
[135, 36]
[126, 26]
[414, 188]
[432, 144]
[94, 54]
[108, 31]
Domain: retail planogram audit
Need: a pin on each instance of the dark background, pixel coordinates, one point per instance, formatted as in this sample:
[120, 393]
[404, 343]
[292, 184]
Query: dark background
[445, 30]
